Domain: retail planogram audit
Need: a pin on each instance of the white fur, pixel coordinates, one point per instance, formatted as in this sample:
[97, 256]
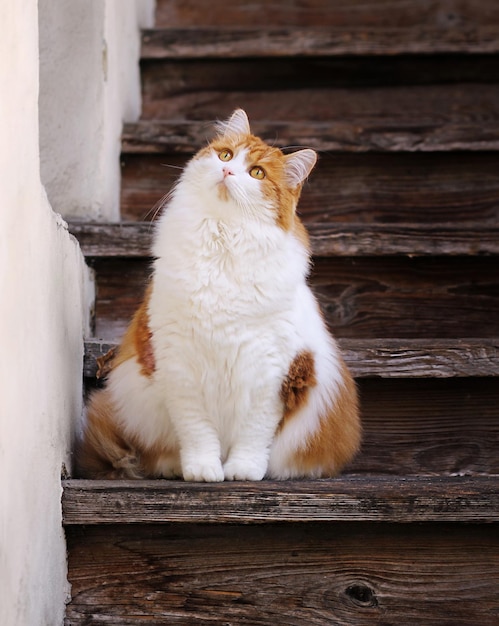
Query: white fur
[299, 165]
[229, 311]
[236, 126]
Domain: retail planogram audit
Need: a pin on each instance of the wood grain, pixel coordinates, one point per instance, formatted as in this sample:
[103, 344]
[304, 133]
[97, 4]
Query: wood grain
[422, 188]
[342, 574]
[134, 239]
[382, 499]
[401, 297]
[429, 426]
[326, 14]
[410, 118]
[201, 43]
[385, 358]
[402, 118]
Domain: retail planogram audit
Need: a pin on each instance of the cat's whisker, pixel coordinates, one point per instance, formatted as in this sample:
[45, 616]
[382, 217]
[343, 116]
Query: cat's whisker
[157, 208]
[176, 167]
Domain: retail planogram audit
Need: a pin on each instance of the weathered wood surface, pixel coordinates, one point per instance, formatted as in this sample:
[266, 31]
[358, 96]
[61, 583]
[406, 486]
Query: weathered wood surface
[291, 575]
[362, 297]
[362, 188]
[429, 426]
[374, 498]
[206, 43]
[420, 118]
[412, 298]
[385, 358]
[412, 17]
[134, 239]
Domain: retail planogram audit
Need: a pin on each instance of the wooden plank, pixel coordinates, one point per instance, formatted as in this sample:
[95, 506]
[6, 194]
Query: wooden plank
[381, 499]
[421, 358]
[421, 118]
[133, 239]
[342, 574]
[428, 426]
[209, 43]
[292, 575]
[410, 239]
[416, 16]
[459, 188]
[361, 297]
[425, 297]
[385, 358]
[125, 239]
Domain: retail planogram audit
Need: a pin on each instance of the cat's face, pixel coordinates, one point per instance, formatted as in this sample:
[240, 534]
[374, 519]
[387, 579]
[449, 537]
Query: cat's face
[239, 175]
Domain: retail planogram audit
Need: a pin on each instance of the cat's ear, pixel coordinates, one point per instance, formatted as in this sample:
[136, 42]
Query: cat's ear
[236, 126]
[299, 165]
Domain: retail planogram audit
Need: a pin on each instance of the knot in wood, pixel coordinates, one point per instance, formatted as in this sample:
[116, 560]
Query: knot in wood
[362, 595]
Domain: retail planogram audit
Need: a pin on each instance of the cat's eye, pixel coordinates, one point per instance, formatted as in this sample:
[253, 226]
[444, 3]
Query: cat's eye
[257, 172]
[225, 155]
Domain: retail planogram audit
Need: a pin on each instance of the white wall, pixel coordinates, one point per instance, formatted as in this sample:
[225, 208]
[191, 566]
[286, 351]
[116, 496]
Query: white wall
[89, 77]
[44, 292]
[90, 83]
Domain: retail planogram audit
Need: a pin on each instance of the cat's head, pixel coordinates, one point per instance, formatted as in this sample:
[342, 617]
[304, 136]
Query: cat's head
[238, 174]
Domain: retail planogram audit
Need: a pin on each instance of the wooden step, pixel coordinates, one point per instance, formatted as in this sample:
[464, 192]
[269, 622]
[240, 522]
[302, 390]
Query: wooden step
[285, 41]
[289, 574]
[383, 358]
[418, 188]
[413, 19]
[134, 239]
[348, 498]
[382, 119]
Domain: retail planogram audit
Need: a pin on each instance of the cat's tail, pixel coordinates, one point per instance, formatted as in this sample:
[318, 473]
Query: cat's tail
[102, 452]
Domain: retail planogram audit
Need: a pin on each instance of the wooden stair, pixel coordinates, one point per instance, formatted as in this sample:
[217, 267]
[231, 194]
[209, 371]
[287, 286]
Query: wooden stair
[402, 102]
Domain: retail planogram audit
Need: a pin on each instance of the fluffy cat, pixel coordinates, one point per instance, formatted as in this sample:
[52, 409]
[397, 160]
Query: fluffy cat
[227, 370]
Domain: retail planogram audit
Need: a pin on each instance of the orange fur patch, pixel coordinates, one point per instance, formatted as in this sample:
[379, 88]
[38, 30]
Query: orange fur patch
[296, 385]
[105, 363]
[301, 234]
[136, 342]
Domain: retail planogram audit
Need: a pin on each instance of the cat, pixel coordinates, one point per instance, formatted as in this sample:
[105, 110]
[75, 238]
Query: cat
[227, 370]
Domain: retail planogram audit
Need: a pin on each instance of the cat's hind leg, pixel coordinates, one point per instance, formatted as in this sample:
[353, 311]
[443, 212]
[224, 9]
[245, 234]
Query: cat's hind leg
[103, 452]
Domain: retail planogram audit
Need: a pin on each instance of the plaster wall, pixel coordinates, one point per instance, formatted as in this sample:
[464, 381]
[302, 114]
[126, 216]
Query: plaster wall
[89, 85]
[45, 291]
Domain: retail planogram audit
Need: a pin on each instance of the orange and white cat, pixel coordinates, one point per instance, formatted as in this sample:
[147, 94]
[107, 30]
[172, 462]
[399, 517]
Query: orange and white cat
[227, 370]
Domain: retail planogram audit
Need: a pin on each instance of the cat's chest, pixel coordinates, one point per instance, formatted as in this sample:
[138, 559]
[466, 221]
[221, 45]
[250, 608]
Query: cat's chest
[225, 257]
[219, 267]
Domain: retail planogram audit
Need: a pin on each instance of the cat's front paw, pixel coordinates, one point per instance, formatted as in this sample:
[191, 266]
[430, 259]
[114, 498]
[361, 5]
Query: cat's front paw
[239, 469]
[209, 472]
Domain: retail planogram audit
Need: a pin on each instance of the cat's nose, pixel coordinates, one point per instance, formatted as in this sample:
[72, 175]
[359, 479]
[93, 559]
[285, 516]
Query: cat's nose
[227, 171]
